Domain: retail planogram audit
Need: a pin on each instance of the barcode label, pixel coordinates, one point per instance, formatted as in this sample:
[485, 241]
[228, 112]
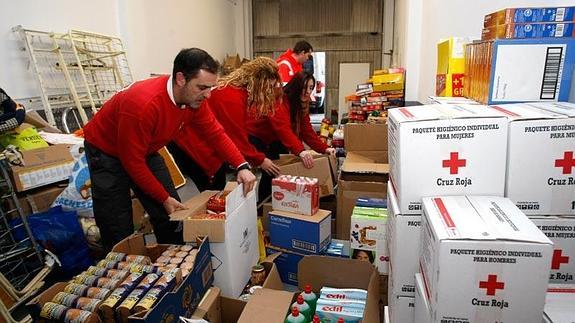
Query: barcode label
[560, 15]
[559, 30]
[302, 245]
[550, 85]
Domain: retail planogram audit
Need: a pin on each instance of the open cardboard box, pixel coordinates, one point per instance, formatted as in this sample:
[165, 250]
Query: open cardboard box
[216, 308]
[182, 301]
[268, 305]
[233, 240]
[324, 169]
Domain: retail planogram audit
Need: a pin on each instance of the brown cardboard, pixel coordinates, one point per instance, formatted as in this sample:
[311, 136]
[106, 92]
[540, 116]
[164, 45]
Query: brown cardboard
[175, 172]
[33, 118]
[365, 137]
[366, 166]
[48, 162]
[347, 193]
[323, 170]
[209, 307]
[214, 229]
[266, 208]
[39, 199]
[267, 305]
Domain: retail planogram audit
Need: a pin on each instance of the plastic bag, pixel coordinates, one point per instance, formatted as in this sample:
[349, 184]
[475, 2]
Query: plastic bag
[78, 195]
[60, 232]
[25, 137]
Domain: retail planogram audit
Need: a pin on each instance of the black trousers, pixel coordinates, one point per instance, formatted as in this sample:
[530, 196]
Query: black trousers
[112, 200]
[189, 168]
[272, 151]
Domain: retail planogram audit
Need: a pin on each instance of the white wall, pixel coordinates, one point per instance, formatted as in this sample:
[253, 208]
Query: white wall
[441, 19]
[153, 31]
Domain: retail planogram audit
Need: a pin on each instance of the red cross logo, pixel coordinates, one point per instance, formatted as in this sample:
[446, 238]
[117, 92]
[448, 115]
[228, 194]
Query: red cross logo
[491, 285]
[454, 163]
[567, 163]
[558, 259]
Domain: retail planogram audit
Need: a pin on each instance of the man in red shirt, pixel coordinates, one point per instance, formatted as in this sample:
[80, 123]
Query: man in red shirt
[123, 138]
[292, 60]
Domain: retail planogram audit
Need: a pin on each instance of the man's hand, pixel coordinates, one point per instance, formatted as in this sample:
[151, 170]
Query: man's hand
[330, 151]
[171, 205]
[248, 179]
[306, 158]
[269, 167]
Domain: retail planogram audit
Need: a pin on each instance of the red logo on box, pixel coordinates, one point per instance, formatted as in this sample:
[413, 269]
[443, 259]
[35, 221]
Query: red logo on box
[279, 196]
[567, 163]
[558, 259]
[491, 285]
[454, 163]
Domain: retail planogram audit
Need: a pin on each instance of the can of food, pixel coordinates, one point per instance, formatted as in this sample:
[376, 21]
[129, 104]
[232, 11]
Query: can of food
[124, 265]
[108, 283]
[88, 304]
[117, 274]
[108, 264]
[258, 276]
[76, 289]
[88, 280]
[176, 260]
[65, 299]
[182, 254]
[138, 259]
[115, 256]
[96, 271]
[169, 253]
[187, 266]
[190, 258]
[169, 266]
[186, 248]
[97, 292]
[74, 315]
[53, 311]
[163, 259]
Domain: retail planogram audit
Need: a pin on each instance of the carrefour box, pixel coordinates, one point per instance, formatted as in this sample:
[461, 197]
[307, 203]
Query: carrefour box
[559, 303]
[446, 150]
[540, 175]
[402, 309]
[295, 194]
[422, 310]
[525, 70]
[287, 263]
[403, 235]
[520, 31]
[482, 259]
[301, 233]
[560, 230]
[233, 240]
[527, 15]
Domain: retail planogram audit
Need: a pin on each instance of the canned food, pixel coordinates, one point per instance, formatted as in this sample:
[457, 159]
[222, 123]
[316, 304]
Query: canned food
[186, 248]
[182, 254]
[88, 280]
[176, 260]
[76, 289]
[108, 264]
[88, 304]
[138, 259]
[163, 259]
[65, 299]
[53, 311]
[96, 271]
[115, 256]
[74, 315]
[97, 292]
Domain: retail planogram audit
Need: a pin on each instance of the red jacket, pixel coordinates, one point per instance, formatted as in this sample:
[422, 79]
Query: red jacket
[278, 127]
[141, 119]
[229, 106]
[288, 66]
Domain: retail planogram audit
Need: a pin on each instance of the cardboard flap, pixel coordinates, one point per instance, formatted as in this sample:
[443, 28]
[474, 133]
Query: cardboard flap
[134, 244]
[273, 280]
[231, 308]
[322, 271]
[267, 305]
[215, 229]
[195, 205]
[47, 155]
[323, 170]
[366, 162]
[365, 136]
[209, 307]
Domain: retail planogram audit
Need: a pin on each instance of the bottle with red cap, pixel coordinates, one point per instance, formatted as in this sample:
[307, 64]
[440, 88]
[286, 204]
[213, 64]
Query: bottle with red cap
[340, 320]
[295, 316]
[303, 308]
[315, 319]
[309, 297]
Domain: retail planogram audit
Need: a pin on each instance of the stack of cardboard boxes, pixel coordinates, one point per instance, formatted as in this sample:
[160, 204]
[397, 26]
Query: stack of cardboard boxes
[368, 232]
[449, 80]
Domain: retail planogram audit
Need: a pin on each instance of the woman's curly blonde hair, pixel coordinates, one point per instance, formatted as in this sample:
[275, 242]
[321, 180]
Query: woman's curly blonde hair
[260, 78]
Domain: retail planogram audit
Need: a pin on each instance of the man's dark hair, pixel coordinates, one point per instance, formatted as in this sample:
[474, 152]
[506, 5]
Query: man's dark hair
[302, 46]
[190, 61]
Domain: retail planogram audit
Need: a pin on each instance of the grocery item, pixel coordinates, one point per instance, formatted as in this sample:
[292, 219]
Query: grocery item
[65, 299]
[295, 317]
[309, 297]
[302, 307]
[76, 289]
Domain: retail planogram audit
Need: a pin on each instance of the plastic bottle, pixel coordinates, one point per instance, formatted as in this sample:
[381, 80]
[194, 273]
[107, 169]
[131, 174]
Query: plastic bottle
[295, 316]
[315, 319]
[340, 320]
[309, 297]
[303, 308]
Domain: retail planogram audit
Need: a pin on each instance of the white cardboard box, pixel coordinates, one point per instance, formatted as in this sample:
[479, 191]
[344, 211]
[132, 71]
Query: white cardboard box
[296, 194]
[559, 304]
[422, 310]
[403, 238]
[560, 230]
[235, 254]
[402, 309]
[540, 160]
[369, 233]
[482, 260]
[446, 150]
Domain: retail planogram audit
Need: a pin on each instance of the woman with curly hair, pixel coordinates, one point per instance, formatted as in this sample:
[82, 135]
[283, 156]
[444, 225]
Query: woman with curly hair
[251, 90]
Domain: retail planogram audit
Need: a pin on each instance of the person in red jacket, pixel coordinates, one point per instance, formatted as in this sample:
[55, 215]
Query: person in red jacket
[251, 90]
[291, 61]
[288, 127]
[122, 140]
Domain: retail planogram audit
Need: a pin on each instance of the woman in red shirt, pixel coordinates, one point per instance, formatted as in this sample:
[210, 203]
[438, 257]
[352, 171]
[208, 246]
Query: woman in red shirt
[288, 128]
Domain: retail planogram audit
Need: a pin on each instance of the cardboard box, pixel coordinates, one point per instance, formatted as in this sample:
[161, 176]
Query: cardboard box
[422, 310]
[450, 66]
[446, 150]
[324, 169]
[368, 233]
[338, 248]
[521, 31]
[295, 194]
[402, 309]
[482, 258]
[403, 238]
[540, 164]
[366, 147]
[272, 306]
[559, 303]
[39, 199]
[43, 166]
[450, 100]
[215, 308]
[287, 263]
[182, 301]
[233, 241]
[560, 230]
[301, 233]
[528, 15]
[347, 193]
